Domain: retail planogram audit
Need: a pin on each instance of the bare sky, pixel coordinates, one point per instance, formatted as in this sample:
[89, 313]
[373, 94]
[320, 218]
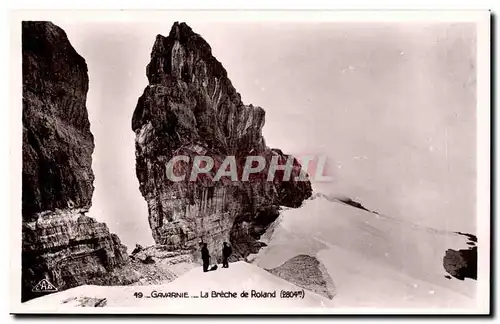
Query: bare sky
[392, 106]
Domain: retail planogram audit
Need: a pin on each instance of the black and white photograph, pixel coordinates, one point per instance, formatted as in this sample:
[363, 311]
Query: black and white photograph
[260, 162]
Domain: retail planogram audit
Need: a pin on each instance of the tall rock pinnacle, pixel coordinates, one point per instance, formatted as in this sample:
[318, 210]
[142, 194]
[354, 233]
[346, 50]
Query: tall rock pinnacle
[190, 108]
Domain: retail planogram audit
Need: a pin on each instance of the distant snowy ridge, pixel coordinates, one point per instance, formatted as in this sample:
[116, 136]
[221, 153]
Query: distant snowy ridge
[375, 260]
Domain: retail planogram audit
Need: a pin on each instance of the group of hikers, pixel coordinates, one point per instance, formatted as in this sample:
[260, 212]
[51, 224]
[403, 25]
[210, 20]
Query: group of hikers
[205, 256]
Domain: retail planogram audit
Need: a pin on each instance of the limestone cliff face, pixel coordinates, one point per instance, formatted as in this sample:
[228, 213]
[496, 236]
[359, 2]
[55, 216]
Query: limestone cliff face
[70, 249]
[191, 108]
[57, 143]
[60, 243]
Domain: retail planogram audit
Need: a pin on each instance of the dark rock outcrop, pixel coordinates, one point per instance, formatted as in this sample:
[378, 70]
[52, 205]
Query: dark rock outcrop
[471, 237]
[307, 272]
[462, 264]
[353, 203]
[138, 248]
[157, 265]
[190, 108]
[343, 200]
[60, 244]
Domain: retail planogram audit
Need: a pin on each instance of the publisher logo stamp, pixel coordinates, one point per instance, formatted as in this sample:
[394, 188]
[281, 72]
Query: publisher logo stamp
[44, 286]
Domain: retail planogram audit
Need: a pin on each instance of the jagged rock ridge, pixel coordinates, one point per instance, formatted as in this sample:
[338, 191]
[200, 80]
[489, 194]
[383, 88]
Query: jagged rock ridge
[191, 108]
[60, 243]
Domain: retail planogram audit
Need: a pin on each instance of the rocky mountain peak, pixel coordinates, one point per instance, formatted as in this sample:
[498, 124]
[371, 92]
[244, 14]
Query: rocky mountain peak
[191, 108]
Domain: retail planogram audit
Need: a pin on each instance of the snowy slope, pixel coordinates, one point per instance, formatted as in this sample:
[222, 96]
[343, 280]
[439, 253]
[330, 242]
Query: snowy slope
[239, 277]
[374, 260]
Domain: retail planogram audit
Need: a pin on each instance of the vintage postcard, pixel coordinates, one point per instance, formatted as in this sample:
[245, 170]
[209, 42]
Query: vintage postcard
[250, 162]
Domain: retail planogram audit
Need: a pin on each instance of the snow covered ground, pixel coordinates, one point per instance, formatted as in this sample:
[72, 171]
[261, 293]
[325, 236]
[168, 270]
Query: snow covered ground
[374, 260]
[239, 277]
[377, 263]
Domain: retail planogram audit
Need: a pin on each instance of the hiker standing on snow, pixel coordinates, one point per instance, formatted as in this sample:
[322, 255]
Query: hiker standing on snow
[205, 256]
[226, 252]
